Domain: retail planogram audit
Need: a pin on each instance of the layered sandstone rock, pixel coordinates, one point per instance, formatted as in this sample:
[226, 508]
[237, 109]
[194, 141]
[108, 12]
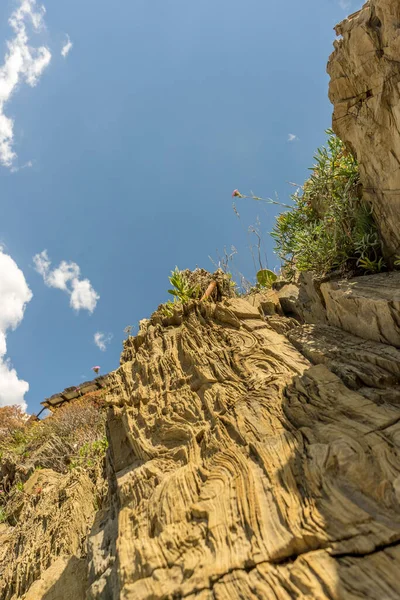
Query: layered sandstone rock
[367, 306]
[365, 92]
[244, 469]
[367, 366]
[65, 579]
[251, 456]
[46, 537]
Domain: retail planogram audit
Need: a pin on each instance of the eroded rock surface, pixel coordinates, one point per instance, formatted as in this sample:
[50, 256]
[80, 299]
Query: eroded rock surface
[369, 367]
[52, 517]
[367, 306]
[242, 470]
[365, 91]
[251, 456]
[65, 579]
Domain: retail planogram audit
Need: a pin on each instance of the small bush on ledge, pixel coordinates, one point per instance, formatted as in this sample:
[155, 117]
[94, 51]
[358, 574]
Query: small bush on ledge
[197, 285]
[329, 227]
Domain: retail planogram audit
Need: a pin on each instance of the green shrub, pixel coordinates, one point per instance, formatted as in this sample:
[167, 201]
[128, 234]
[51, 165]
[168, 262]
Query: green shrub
[53, 442]
[90, 454]
[329, 226]
[182, 292]
[3, 515]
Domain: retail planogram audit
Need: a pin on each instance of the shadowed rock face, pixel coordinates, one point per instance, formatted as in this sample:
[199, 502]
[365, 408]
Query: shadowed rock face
[367, 306]
[365, 92]
[242, 470]
[51, 519]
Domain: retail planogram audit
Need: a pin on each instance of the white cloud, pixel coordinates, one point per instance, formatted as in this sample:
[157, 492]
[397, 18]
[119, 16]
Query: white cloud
[292, 137]
[14, 296]
[66, 277]
[65, 50]
[65, 273]
[83, 295]
[101, 340]
[21, 63]
[345, 4]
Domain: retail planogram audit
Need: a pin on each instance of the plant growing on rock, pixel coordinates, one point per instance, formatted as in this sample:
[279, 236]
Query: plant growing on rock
[128, 330]
[182, 291]
[329, 227]
[12, 420]
[265, 278]
[53, 442]
[89, 454]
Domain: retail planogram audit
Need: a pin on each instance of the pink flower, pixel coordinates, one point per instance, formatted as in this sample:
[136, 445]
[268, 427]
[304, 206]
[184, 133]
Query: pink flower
[236, 193]
[96, 369]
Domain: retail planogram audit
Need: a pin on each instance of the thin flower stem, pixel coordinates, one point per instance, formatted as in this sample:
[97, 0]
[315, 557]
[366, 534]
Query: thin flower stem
[267, 200]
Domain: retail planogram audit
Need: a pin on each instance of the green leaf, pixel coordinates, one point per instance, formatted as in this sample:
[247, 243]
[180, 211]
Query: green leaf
[265, 277]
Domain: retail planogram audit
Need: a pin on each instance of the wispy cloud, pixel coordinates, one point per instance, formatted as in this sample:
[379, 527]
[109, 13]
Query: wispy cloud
[27, 165]
[102, 339]
[14, 296]
[292, 137]
[345, 4]
[67, 277]
[65, 50]
[21, 63]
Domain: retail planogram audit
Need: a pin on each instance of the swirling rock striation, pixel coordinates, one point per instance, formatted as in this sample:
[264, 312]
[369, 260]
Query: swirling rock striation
[244, 469]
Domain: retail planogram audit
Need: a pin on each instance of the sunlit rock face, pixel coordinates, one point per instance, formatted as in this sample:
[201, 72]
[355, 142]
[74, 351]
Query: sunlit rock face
[249, 464]
[365, 91]
[251, 455]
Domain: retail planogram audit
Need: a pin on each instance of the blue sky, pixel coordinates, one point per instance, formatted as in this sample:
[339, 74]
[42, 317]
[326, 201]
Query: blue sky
[128, 149]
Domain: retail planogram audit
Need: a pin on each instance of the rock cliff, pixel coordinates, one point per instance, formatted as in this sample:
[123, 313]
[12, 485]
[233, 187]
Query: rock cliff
[365, 91]
[254, 443]
[253, 465]
[243, 463]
